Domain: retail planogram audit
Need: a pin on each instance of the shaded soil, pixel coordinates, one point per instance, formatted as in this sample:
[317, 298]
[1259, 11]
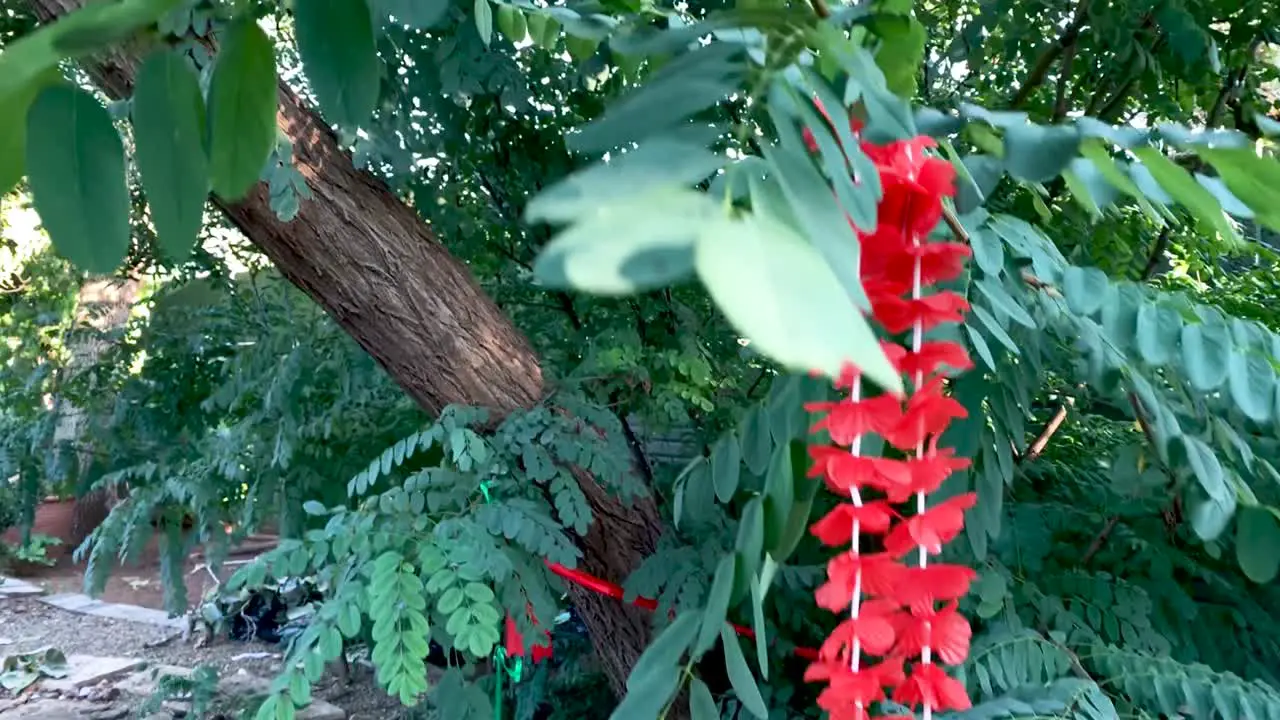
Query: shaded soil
[28, 624]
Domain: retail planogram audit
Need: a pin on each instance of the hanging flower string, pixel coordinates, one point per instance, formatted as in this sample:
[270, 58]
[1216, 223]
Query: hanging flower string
[902, 618]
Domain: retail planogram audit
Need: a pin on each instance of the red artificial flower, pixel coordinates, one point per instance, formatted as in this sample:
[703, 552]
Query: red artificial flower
[927, 473]
[836, 527]
[927, 414]
[931, 529]
[945, 632]
[514, 643]
[938, 582]
[847, 420]
[872, 633]
[929, 685]
[931, 358]
[899, 315]
[897, 263]
[844, 472]
[880, 574]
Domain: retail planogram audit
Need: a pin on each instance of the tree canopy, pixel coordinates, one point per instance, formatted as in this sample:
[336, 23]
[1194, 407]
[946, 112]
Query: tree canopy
[446, 292]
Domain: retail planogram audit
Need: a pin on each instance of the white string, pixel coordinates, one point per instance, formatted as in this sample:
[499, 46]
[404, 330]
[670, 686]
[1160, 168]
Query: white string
[855, 602]
[917, 340]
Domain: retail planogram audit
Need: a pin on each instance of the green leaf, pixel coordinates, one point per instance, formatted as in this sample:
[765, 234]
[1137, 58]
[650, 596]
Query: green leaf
[756, 440]
[805, 492]
[901, 51]
[663, 654]
[169, 132]
[994, 327]
[1159, 331]
[13, 128]
[649, 697]
[451, 600]
[726, 467]
[779, 293]
[314, 507]
[822, 218]
[1208, 471]
[988, 251]
[336, 43]
[750, 540]
[701, 705]
[656, 165]
[85, 30]
[484, 21]
[75, 168]
[643, 242]
[1002, 301]
[242, 109]
[1258, 544]
[779, 496]
[717, 606]
[1209, 517]
[511, 23]
[1206, 352]
[757, 624]
[1038, 153]
[688, 84]
[1252, 179]
[857, 200]
[1186, 191]
[1252, 380]
[1085, 289]
[744, 684]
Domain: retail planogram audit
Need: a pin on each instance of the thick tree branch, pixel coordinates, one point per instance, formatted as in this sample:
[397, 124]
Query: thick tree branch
[1065, 42]
[1157, 251]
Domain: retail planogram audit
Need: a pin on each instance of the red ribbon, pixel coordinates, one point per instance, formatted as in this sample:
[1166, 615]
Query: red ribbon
[515, 643]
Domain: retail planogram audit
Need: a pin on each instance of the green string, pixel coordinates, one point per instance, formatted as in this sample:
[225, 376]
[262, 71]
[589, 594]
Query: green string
[515, 668]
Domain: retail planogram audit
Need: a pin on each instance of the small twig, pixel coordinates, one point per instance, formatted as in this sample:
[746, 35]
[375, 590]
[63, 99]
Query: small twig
[821, 9]
[1042, 440]
[1098, 541]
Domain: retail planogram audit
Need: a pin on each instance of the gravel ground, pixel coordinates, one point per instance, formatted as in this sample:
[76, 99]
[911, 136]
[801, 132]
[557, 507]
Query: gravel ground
[28, 624]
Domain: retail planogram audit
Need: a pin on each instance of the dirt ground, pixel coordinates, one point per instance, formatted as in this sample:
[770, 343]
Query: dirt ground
[134, 584]
[27, 624]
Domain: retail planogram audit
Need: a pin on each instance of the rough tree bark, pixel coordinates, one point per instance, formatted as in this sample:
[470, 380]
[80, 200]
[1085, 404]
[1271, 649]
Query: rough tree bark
[101, 305]
[376, 268]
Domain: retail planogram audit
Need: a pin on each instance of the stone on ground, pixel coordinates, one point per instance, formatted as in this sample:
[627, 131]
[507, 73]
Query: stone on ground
[13, 587]
[86, 670]
[78, 603]
[239, 685]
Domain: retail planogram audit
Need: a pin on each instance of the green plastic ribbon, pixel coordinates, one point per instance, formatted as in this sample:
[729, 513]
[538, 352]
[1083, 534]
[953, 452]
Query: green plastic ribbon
[515, 668]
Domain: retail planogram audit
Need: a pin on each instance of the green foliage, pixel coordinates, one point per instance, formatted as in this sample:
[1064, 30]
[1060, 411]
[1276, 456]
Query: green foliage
[79, 184]
[169, 120]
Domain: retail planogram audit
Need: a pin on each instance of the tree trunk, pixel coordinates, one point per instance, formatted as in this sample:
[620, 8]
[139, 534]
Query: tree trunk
[376, 268]
[102, 305]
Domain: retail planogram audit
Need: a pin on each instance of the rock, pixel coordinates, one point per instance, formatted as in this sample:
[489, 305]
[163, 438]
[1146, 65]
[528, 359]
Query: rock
[13, 587]
[76, 602]
[84, 670]
[237, 686]
[142, 684]
[47, 709]
[111, 712]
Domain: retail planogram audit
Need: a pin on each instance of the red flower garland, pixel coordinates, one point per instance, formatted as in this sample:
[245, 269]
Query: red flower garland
[901, 608]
